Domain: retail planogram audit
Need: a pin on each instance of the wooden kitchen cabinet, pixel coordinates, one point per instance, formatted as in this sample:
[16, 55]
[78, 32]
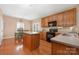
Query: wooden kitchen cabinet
[31, 41]
[42, 35]
[61, 49]
[44, 22]
[67, 18]
[64, 19]
[55, 17]
[70, 17]
[52, 18]
[60, 18]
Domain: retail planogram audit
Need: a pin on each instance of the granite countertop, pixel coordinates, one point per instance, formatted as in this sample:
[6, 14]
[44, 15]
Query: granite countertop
[69, 40]
[31, 32]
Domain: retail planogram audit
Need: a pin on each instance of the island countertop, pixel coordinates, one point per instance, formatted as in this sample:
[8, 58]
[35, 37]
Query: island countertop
[31, 32]
[67, 40]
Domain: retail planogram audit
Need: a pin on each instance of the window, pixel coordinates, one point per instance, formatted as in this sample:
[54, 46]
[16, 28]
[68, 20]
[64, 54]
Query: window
[20, 25]
[36, 27]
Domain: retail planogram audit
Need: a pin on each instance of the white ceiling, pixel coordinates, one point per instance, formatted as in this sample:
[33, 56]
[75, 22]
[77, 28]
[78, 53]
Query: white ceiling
[33, 11]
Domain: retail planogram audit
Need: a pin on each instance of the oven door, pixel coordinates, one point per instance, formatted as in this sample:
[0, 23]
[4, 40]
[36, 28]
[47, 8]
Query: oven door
[49, 36]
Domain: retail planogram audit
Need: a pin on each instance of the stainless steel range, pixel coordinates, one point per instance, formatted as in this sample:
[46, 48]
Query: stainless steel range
[52, 30]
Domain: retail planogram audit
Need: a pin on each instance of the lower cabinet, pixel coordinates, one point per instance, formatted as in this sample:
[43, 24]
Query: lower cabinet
[31, 41]
[42, 35]
[35, 41]
[61, 49]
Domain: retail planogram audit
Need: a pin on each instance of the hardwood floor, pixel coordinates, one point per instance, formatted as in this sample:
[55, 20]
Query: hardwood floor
[9, 47]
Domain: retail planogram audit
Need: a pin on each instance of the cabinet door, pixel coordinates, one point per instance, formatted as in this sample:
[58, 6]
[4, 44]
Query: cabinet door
[42, 22]
[46, 22]
[35, 41]
[27, 41]
[43, 35]
[61, 49]
[50, 18]
[60, 19]
[70, 17]
[54, 17]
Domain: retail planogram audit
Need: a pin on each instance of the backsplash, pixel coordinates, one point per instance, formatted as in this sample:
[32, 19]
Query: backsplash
[68, 29]
[63, 29]
[45, 29]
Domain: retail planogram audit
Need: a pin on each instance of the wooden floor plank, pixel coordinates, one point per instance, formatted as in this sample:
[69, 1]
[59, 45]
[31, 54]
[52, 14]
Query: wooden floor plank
[9, 47]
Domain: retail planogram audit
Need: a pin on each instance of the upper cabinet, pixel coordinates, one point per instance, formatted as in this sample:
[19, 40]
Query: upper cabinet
[64, 19]
[70, 17]
[52, 18]
[60, 18]
[44, 22]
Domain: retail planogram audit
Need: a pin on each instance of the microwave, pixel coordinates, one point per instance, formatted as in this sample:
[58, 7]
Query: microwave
[53, 23]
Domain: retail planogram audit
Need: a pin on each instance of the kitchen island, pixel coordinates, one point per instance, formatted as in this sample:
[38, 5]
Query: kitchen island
[31, 40]
[65, 45]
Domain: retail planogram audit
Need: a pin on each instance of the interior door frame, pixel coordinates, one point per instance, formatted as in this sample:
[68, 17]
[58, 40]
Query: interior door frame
[1, 29]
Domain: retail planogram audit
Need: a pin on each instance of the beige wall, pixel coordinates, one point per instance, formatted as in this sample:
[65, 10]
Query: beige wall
[1, 26]
[77, 15]
[10, 26]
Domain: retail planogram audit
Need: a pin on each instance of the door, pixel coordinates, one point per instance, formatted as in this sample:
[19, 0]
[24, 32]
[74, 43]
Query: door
[1, 28]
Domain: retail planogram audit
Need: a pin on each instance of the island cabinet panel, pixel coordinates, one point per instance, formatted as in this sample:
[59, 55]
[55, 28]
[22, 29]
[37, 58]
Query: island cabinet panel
[61, 49]
[35, 41]
[31, 41]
